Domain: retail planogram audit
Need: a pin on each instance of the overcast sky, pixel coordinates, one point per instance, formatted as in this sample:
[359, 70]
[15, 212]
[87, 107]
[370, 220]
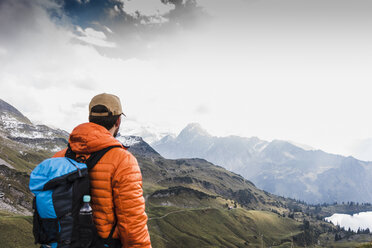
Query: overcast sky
[276, 69]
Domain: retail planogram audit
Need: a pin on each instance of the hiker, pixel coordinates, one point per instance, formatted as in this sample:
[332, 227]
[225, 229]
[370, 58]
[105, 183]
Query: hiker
[115, 181]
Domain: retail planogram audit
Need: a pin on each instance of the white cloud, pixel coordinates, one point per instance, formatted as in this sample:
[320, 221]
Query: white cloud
[94, 37]
[146, 7]
[3, 51]
[260, 72]
[109, 30]
[154, 20]
[202, 109]
[362, 149]
[83, 1]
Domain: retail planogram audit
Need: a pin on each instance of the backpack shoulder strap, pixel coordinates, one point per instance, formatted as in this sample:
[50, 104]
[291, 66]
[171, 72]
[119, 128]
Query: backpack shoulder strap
[69, 153]
[96, 156]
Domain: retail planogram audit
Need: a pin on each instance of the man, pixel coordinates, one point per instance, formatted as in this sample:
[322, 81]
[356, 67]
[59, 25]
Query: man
[116, 180]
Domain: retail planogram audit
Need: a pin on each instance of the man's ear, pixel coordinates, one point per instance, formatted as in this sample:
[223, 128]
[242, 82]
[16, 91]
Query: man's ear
[117, 124]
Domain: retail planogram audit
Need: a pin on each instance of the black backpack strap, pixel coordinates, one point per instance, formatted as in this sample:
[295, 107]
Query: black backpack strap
[109, 241]
[96, 156]
[70, 153]
[92, 160]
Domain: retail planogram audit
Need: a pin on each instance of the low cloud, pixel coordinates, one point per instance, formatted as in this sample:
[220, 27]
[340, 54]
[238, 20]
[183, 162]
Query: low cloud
[202, 109]
[273, 69]
[80, 105]
[3, 51]
[362, 149]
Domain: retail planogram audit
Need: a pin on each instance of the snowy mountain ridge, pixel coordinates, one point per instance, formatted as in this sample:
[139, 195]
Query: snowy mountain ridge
[279, 167]
[14, 126]
[148, 132]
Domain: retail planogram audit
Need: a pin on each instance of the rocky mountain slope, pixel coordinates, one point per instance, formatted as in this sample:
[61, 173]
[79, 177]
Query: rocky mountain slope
[16, 127]
[190, 202]
[21, 140]
[278, 167]
[196, 203]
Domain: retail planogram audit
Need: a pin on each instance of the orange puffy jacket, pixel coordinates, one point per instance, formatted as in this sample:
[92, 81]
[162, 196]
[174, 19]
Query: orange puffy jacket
[116, 186]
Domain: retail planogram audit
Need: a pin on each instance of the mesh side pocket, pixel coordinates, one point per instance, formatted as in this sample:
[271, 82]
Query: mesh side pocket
[48, 232]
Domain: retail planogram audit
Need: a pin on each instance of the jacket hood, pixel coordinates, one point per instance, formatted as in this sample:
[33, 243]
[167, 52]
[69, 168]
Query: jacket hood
[90, 137]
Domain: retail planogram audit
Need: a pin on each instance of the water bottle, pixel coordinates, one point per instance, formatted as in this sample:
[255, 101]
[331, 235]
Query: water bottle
[86, 209]
[86, 223]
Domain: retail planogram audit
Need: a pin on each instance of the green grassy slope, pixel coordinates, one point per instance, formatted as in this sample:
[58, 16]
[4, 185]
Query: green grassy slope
[173, 227]
[187, 201]
[221, 228]
[16, 231]
[21, 161]
[361, 240]
[200, 175]
[184, 228]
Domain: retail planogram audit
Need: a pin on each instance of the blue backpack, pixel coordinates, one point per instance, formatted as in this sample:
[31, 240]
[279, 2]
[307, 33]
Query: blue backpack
[59, 185]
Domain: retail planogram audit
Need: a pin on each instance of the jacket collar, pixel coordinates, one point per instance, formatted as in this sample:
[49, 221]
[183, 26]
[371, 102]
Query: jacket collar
[90, 137]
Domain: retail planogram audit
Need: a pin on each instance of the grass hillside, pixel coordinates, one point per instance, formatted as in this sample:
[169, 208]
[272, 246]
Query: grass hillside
[221, 228]
[19, 156]
[200, 175]
[16, 231]
[190, 203]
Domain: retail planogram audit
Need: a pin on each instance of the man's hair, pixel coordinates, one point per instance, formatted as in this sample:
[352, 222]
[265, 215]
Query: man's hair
[106, 121]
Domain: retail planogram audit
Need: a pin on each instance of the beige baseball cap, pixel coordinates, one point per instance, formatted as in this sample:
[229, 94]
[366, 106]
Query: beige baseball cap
[111, 102]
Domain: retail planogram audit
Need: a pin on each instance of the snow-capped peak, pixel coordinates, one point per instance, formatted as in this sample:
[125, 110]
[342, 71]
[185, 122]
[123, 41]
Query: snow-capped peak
[128, 140]
[302, 146]
[193, 129]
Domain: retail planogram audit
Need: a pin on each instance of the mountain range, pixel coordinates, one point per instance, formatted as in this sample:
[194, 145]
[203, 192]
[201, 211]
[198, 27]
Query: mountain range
[15, 127]
[189, 202]
[279, 167]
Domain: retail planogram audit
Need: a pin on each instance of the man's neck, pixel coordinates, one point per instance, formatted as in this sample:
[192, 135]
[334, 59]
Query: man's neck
[112, 130]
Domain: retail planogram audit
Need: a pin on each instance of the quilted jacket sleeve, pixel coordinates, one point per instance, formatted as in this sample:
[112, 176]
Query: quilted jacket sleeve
[130, 204]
